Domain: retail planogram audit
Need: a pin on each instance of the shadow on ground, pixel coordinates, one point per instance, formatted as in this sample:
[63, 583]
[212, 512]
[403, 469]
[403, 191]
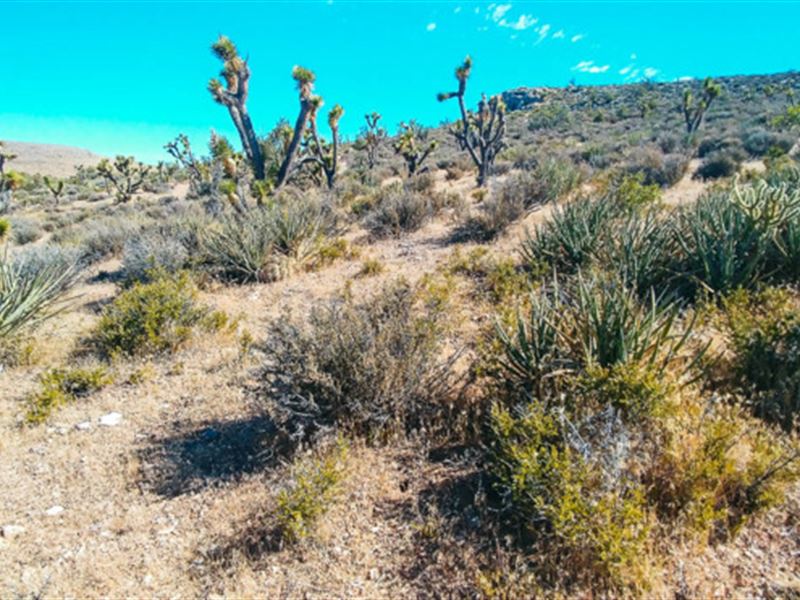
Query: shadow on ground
[213, 453]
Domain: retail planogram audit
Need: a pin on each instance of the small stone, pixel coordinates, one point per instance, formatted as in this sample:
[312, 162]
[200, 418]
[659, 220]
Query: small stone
[11, 531]
[54, 510]
[111, 419]
[84, 426]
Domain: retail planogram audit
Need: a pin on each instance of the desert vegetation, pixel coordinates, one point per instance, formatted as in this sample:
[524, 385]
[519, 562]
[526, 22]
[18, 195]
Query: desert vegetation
[550, 349]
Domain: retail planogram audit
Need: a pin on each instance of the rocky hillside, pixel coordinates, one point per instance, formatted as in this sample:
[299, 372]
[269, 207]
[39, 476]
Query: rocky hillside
[49, 159]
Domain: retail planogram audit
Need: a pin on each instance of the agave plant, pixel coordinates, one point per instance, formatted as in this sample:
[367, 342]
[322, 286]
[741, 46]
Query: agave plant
[31, 290]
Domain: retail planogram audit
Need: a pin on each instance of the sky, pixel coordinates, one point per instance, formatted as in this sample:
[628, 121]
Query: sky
[125, 77]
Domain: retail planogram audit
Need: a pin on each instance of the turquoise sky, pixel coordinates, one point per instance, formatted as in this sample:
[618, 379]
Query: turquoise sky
[125, 77]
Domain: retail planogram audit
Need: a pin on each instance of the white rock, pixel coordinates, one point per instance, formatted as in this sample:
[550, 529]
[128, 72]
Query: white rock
[54, 510]
[111, 419]
[10, 531]
[85, 425]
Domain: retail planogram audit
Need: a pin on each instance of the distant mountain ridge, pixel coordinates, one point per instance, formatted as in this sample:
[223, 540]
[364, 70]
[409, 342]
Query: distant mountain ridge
[49, 159]
[583, 96]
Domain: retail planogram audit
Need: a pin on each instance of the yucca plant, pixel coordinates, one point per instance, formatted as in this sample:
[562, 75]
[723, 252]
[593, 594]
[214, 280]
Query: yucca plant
[31, 291]
[610, 326]
[571, 239]
[721, 247]
[534, 350]
[641, 250]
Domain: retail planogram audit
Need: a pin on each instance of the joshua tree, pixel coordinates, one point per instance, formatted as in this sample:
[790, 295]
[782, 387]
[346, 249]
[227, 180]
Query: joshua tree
[233, 95]
[481, 133]
[411, 145]
[199, 177]
[320, 153]
[9, 181]
[125, 174]
[56, 187]
[371, 139]
[695, 110]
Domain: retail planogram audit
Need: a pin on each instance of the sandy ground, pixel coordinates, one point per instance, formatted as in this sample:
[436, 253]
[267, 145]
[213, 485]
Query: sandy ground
[169, 502]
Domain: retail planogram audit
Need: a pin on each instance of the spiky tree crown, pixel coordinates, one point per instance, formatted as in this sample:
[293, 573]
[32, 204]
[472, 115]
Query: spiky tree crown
[305, 80]
[463, 71]
[334, 115]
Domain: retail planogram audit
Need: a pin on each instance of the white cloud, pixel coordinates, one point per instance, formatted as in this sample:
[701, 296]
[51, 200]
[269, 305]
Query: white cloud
[430, 26]
[499, 12]
[588, 66]
[522, 23]
[558, 35]
[625, 70]
[685, 78]
[576, 38]
[543, 31]
[650, 72]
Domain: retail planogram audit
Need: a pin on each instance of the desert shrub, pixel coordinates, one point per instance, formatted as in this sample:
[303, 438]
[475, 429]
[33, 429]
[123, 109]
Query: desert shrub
[562, 484]
[494, 216]
[498, 278]
[268, 243]
[25, 231]
[759, 142]
[5, 227]
[370, 268]
[371, 368]
[630, 192]
[571, 238]
[718, 468]
[669, 143]
[105, 237]
[315, 483]
[150, 253]
[58, 387]
[659, 169]
[398, 210]
[720, 163]
[549, 116]
[32, 285]
[717, 144]
[153, 318]
[764, 330]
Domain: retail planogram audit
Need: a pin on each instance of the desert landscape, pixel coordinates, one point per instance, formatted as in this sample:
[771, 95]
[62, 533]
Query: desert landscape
[550, 348]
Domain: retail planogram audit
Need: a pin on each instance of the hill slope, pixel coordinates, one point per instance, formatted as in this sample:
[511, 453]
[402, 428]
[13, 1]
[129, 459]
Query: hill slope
[49, 159]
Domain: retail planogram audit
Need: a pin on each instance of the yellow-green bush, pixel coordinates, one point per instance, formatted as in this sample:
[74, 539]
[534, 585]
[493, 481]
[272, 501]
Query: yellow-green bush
[594, 523]
[58, 387]
[631, 192]
[316, 481]
[764, 331]
[155, 317]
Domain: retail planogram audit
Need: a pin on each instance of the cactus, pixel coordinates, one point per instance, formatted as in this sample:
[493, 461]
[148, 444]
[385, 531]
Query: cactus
[694, 111]
[371, 139]
[411, 145]
[481, 133]
[233, 96]
[124, 174]
[56, 187]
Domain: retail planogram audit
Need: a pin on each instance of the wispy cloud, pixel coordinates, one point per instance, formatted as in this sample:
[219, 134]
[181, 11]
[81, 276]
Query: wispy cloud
[650, 72]
[588, 66]
[558, 35]
[542, 31]
[576, 38]
[430, 26]
[625, 70]
[522, 23]
[457, 9]
[499, 11]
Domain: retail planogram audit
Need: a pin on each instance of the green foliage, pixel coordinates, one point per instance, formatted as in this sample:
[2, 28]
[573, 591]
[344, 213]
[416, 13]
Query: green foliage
[58, 387]
[371, 368]
[5, 227]
[500, 279]
[31, 288]
[153, 318]
[267, 243]
[630, 192]
[571, 239]
[599, 533]
[125, 175]
[764, 330]
[316, 481]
